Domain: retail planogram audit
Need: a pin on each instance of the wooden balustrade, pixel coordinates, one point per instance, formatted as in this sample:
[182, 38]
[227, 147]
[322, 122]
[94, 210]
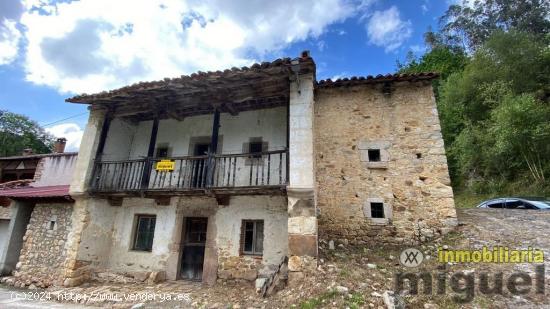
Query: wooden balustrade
[214, 171]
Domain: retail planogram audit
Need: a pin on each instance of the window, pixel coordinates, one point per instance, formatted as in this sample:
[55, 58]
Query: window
[252, 237]
[496, 204]
[145, 230]
[256, 148]
[52, 225]
[201, 149]
[377, 210]
[162, 152]
[374, 155]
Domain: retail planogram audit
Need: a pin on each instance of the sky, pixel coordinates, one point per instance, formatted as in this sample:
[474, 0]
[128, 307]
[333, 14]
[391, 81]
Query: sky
[53, 49]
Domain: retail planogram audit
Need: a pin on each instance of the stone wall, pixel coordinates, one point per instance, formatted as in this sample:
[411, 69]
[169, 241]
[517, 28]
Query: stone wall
[5, 212]
[409, 177]
[43, 255]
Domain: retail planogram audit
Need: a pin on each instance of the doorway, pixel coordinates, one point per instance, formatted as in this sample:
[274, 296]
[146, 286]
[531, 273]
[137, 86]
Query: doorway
[199, 168]
[194, 244]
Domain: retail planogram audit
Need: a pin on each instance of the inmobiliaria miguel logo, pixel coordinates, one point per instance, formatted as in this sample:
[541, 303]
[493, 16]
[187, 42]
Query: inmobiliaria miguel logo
[463, 283]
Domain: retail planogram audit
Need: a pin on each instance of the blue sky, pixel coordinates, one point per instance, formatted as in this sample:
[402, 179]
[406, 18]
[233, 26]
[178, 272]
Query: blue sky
[51, 50]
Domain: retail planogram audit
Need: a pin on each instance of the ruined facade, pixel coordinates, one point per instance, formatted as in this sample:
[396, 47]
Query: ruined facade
[236, 174]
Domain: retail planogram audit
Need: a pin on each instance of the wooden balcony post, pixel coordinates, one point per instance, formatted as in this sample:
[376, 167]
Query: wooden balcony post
[150, 153]
[211, 164]
[103, 136]
[101, 146]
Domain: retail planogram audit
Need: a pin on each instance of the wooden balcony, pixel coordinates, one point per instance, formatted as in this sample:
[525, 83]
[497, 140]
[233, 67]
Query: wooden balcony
[247, 173]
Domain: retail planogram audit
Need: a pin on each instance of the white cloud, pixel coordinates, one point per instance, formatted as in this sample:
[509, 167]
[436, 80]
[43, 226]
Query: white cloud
[9, 41]
[424, 6]
[386, 29]
[321, 45]
[94, 45]
[71, 131]
[468, 3]
[418, 49]
[339, 76]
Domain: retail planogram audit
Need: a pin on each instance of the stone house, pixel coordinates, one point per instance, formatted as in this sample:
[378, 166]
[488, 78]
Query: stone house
[35, 215]
[231, 174]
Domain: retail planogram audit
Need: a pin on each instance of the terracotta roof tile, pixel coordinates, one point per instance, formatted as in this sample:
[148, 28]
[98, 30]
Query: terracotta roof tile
[198, 76]
[358, 80]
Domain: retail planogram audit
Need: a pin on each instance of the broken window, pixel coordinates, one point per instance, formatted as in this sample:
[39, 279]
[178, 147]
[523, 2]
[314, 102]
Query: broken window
[377, 210]
[145, 230]
[252, 237]
[374, 155]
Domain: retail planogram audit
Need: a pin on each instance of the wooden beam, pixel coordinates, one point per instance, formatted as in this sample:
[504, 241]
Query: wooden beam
[150, 152]
[230, 109]
[215, 132]
[103, 135]
[213, 149]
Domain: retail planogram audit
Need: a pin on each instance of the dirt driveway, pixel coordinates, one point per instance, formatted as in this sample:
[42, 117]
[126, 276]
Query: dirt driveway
[515, 229]
[507, 227]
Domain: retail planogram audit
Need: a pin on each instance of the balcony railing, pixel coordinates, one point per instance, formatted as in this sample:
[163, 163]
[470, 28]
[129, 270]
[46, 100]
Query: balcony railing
[192, 173]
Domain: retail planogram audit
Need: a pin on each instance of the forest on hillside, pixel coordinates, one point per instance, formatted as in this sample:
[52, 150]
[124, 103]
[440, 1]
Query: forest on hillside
[493, 96]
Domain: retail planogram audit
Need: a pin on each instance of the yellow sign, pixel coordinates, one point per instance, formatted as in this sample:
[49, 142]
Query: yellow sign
[165, 166]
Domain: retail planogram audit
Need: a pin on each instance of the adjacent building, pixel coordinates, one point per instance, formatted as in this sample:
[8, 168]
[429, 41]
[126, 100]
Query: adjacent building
[35, 215]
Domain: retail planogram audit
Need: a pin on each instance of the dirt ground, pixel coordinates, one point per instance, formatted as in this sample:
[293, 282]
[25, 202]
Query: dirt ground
[358, 277]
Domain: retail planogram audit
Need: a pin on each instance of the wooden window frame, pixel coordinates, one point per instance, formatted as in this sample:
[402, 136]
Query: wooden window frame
[136, 232]
[254, 235]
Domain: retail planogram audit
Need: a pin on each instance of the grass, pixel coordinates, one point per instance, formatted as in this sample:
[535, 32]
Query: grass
[470, 200]
[471, 197]
[318, 301]
[354, 302]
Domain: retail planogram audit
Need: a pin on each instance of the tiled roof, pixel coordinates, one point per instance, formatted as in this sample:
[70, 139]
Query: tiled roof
[195, 77]
[358, 80]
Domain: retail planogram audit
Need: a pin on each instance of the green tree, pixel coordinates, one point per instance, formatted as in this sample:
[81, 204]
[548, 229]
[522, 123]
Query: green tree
[494, 113]
[470, 25]
[18, 132]
[520, 128]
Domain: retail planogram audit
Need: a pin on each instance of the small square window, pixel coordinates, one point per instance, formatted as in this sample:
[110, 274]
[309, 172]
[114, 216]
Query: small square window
[374, 155]
[162, 152]
[145, 230]
[252, 237]
[377, 210]
[256, 149]
[52, 225]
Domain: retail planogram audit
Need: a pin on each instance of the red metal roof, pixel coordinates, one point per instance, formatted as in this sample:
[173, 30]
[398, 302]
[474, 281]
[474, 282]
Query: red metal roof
[37, 192]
